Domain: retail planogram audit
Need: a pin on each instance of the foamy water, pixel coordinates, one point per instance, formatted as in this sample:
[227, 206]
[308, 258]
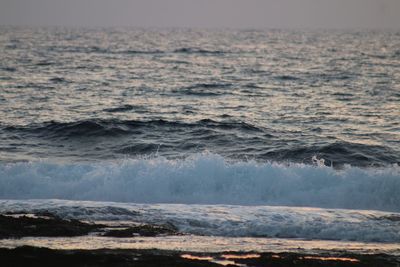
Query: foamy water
[204, 179]
[230, 221]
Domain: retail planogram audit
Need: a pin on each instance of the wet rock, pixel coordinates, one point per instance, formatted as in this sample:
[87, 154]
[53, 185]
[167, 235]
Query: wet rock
[143, 230]
[31, 256]
[46, 224]
[49, 225]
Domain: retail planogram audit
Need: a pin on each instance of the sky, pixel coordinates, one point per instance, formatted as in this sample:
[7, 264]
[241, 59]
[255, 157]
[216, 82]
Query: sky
[375, 14]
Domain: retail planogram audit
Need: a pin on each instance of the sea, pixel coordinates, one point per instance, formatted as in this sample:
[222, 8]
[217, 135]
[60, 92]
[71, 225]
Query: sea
[245, 140]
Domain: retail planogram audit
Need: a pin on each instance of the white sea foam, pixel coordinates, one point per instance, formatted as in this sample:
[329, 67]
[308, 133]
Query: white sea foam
[231, 221]
[204, 179]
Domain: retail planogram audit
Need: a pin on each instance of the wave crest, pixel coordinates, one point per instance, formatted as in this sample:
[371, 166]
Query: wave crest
[103, 127]
[204, 179]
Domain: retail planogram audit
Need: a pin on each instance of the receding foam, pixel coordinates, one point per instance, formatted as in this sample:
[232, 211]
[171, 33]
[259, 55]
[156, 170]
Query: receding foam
[229, 220]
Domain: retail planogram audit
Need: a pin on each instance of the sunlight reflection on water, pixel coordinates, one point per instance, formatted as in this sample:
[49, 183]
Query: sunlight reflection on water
[206, 244]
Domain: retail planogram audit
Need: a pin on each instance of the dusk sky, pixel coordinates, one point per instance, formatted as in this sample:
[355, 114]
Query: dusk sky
[204, 13]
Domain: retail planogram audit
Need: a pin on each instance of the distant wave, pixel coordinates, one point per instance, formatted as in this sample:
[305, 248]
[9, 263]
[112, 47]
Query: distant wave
[106, 127]
[205, 179]
[205, 89]
[183, 50]
[114, 138]
[189, 50]
[122, 108]
[9, 69]
[287, 78]
[337, 153]
[58, 80]
[210, 85]
[102, 50]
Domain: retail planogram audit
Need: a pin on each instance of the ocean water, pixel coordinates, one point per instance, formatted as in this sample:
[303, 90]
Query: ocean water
[233, 136]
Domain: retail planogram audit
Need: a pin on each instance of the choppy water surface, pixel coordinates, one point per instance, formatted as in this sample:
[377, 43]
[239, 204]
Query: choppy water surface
[76, 94]
[270, 121]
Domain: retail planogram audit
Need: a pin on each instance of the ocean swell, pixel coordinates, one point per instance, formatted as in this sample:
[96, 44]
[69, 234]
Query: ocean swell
[99, 139]
[107, 127]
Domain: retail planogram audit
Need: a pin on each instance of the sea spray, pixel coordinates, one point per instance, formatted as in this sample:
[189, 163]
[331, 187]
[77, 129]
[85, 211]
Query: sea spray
[204, 179]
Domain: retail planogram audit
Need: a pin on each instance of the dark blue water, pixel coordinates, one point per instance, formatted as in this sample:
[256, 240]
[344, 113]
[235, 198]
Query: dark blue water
[286, 96]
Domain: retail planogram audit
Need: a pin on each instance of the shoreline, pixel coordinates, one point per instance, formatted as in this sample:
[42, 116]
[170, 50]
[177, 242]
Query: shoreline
[16, 225]
[34, 256]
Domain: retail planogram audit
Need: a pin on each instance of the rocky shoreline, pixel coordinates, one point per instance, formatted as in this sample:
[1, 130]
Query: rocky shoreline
[44, 224]
[32, 256]
[20, 224]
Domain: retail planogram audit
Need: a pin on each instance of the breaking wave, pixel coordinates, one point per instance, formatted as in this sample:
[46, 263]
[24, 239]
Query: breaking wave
[204, 179]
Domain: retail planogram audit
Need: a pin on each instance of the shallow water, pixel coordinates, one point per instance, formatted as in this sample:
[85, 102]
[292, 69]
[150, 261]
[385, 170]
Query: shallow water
[208, 244]
[229, 220]
[220, 228]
